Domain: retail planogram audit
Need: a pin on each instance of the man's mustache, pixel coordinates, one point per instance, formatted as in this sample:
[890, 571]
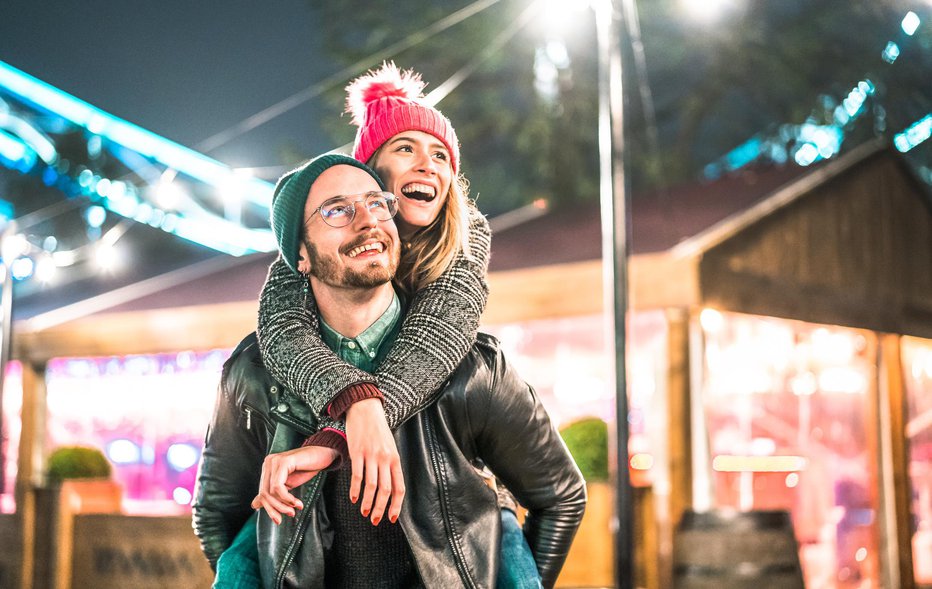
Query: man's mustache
[375, 234]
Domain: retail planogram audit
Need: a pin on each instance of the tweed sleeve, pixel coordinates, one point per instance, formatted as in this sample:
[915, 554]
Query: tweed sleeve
[290, 342]
[439, 329]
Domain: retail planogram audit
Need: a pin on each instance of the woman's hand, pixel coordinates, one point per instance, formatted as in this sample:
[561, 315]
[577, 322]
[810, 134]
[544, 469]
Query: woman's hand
[375, 461]
[287, 470]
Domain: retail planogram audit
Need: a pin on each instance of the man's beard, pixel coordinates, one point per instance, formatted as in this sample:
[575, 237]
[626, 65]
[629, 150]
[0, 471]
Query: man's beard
[327, 270]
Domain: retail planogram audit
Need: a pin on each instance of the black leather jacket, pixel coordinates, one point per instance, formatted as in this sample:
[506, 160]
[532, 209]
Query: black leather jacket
[485, 415]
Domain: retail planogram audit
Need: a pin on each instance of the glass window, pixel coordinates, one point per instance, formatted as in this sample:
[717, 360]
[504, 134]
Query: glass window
[147, 413]
[917, 372]
[788, 411]
[566, 362]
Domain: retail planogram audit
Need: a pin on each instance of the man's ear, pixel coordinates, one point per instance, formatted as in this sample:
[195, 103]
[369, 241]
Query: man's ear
[304, 260]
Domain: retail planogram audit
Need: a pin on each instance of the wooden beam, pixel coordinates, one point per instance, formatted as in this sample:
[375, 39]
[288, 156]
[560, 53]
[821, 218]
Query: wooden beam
[28, 461]
[892, 363]
[563, 290]
[567, 290]
[679, 437]
[141, 332]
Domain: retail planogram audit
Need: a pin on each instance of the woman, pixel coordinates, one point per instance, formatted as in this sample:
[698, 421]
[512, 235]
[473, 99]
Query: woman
[443, 267]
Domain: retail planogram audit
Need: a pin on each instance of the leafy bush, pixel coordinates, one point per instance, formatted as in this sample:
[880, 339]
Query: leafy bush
[77, 462]
[587, 440]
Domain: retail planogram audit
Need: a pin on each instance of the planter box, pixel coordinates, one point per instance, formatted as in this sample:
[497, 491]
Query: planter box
[12, 553]
[589, 563]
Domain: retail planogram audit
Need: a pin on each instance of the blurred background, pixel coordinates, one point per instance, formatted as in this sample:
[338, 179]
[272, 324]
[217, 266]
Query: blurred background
[778, 175]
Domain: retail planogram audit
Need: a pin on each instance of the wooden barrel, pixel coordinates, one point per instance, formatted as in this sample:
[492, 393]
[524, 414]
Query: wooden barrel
[736, 550]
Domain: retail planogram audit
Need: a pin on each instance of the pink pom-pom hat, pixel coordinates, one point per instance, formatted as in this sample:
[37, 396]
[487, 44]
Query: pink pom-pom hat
[388, 101]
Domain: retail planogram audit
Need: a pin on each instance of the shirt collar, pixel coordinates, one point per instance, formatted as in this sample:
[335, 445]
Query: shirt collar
[372, 338]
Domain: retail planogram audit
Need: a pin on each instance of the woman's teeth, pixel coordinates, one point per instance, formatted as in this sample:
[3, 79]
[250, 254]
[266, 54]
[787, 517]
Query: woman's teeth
[419, 191]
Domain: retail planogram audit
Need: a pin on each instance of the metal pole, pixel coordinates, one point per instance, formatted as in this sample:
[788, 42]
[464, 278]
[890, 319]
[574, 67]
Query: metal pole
[615, 265]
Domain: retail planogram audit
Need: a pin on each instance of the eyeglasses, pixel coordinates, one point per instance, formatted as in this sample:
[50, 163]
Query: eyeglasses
[340, 211]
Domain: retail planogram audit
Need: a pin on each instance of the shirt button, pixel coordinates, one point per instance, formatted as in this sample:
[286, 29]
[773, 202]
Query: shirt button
[281, 407]
[351, 345]
[372, 354]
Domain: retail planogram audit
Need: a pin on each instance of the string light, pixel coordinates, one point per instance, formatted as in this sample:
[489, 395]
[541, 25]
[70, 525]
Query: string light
[810, 142]
[46, 269]
[910, 23]
[107, 257]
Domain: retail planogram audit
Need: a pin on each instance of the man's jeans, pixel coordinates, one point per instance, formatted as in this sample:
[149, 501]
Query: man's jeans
[238, 566]
[517, 569]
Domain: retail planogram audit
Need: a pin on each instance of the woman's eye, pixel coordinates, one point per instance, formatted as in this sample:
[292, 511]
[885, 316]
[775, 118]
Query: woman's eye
[441, 155]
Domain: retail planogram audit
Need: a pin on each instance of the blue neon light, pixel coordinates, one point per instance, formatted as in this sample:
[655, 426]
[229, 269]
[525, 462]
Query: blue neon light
[98, 122]
[15, 154]
[915, 134]
[24, 149]
[891, 52]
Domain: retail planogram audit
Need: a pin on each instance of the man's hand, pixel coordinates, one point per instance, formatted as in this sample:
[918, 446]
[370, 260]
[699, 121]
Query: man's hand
[374, 460]
[287, 470]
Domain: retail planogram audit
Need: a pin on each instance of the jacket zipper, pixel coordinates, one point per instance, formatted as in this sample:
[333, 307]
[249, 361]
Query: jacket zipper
[309, 501]
[249, 410]
[458, 556]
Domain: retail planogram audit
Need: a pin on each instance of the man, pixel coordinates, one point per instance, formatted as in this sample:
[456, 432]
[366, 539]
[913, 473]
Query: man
[448, 535]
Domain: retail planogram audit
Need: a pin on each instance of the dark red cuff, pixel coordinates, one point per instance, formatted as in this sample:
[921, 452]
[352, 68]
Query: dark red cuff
[352, 394]
[330, 438]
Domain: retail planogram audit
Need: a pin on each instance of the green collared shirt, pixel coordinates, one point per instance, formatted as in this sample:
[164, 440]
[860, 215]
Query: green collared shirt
[367, 350]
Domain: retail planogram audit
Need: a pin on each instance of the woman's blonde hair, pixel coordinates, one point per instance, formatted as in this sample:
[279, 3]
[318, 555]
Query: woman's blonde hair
[432, 249]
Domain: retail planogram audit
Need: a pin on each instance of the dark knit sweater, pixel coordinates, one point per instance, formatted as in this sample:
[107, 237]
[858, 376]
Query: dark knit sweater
[364, 556]
[439, 328]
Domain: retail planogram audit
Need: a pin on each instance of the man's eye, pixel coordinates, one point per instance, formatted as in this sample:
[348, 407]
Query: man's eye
[336, 211]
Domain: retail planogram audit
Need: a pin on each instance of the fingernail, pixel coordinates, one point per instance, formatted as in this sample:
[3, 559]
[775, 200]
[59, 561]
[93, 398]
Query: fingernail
[299, 505]
[376, 520]
[365, 512]
[393, 518]
[353, 498]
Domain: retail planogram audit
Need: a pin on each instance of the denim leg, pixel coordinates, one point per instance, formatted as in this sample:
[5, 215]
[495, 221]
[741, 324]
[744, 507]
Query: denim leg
[238, 566]
[517, 569]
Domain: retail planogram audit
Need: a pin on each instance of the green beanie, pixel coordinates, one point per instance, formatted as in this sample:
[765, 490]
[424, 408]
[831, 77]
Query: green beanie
[290, 197]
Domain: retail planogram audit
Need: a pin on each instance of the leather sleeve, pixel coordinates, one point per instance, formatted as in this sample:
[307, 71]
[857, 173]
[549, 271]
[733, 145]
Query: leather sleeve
[516, 439]
[231, 464]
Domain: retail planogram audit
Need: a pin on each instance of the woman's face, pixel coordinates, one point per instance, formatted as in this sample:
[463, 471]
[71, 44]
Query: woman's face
[416, 167]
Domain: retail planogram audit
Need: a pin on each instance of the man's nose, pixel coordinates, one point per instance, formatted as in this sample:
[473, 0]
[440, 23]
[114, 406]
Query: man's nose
[364, 217]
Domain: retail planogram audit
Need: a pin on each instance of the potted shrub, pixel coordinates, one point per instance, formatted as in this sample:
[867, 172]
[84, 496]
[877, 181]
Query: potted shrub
[77, 462]
[82, 476]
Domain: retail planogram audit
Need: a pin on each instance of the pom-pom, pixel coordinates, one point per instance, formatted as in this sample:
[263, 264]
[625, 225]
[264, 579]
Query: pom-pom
[387, 81]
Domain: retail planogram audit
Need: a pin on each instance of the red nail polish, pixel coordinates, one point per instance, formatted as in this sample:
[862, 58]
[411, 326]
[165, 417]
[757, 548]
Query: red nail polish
[375, 521]
[394, 518]
[365, 512]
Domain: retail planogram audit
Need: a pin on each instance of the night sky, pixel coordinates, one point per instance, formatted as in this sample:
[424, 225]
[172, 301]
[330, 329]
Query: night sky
[185, 70]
